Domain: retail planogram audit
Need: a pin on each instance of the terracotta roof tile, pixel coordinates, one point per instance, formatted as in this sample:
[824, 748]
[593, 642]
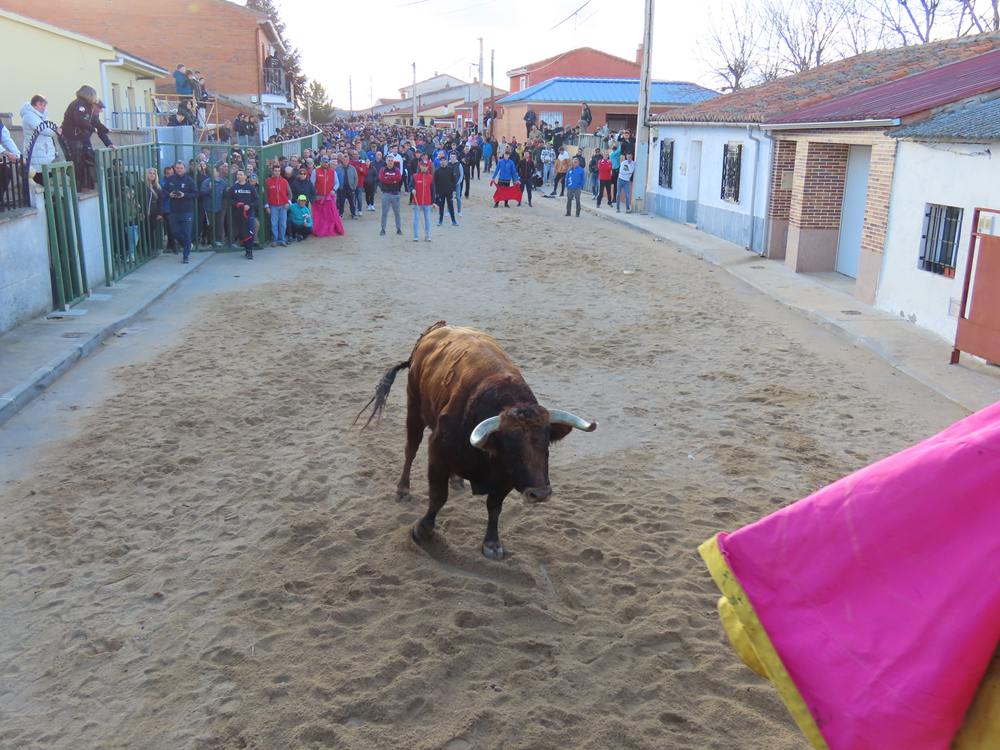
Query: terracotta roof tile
[769, 101]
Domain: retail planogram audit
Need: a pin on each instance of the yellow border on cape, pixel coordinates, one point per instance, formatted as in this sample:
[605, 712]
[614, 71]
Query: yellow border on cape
[753, 630]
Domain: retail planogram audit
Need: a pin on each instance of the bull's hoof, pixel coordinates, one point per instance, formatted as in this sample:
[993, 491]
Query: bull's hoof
[493, 550]
[403, 493]
[420, 534]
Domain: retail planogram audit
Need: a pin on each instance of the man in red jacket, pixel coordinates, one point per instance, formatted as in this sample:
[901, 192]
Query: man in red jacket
[604, 174]
[279, 200]
[421, 194]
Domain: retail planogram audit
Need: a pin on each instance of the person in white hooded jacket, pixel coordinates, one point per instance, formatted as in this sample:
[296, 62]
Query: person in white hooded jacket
[33, 114]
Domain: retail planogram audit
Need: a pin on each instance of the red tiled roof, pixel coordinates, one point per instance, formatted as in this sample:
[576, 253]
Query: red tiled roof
[909, 95]
[776, 100]
[542, 63]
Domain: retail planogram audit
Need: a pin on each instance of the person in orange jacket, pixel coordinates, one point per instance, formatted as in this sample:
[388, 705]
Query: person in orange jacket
[421, 193]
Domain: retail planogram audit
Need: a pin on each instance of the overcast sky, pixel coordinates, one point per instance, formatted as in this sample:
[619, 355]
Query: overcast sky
[376, 41]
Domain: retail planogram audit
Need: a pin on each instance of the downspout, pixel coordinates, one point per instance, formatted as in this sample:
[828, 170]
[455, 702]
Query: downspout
[105, 88]
[753, 194]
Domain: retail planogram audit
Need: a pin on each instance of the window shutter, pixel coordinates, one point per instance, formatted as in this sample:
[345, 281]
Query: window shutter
[736, 173]
[725, 169]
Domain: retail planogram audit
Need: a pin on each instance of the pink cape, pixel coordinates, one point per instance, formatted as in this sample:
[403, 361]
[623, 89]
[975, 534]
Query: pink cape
[326, 217]
[881, 592]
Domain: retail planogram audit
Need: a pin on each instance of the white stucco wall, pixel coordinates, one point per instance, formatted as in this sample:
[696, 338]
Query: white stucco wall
[699, 201]
[947, 174]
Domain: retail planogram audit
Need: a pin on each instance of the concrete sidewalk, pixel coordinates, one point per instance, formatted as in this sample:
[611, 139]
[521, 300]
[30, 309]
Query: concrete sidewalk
[35, 354]
[920, 354]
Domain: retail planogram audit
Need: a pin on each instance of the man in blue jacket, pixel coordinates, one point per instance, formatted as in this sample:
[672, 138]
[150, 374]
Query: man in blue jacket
[575, 179]
[505, 175]
[212, 191]
[182, 84]
[182, 192]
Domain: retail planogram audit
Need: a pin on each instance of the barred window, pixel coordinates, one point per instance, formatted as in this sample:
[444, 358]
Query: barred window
[732, 158]
[938, 249]
[667, 164]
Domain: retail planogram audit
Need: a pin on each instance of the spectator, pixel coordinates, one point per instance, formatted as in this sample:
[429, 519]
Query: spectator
[421, 193]
[80, 122]
[153, 205]
[278, 202]
[181, 190]
[526, 169]
[444, 189]
[390, 179]
[585, 117]
[224, 133]
[604, 173]
[182, 84]
[548, 159]
[33, 114]
[213, 190]
[300, 219]
[575, 179]
[347, 177]
[371, 179]
[616, 160]
[242, 197]
[563, 165]
[592, 168]
[168, 172]
[530, 118]
[326, 218]
[625, 172]
[300, 184]
[458, 173]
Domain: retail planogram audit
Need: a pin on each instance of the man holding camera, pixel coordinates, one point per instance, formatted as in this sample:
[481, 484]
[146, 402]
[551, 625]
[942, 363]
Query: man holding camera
[181, 190]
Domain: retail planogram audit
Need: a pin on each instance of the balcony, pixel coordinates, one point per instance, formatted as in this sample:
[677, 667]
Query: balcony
[275, 83]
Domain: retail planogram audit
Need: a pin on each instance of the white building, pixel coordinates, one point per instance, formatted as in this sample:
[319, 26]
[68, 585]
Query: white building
[946, 167]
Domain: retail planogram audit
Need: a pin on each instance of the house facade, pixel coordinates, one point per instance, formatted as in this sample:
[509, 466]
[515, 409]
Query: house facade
[613, 102]
[944, 169]
[125, 82]
[229, 43]
[742, 168]
[581, 62]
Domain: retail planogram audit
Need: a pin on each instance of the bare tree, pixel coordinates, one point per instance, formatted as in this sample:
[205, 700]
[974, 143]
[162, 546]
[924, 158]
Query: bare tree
[733, 49]
[976, 17]
[806, 30]
[911, 21]
[860, 32]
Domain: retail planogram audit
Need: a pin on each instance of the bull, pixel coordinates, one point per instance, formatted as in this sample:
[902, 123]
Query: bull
[486, 425]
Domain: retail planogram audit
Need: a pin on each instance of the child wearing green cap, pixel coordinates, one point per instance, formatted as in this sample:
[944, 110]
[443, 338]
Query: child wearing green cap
[300, 218]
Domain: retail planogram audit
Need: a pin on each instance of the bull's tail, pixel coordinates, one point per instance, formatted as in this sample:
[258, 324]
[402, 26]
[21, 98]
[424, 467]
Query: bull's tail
[377, 402]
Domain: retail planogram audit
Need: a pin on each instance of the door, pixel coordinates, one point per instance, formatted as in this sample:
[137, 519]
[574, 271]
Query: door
[694, 181]
[852, 212]
[978, 330]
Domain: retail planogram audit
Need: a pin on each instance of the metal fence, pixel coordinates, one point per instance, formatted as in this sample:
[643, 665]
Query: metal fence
[14, 184]
[135, 223]
[66, 261]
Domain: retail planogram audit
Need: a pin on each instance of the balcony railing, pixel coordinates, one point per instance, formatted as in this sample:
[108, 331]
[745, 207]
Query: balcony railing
[13, 184]
[275, 83]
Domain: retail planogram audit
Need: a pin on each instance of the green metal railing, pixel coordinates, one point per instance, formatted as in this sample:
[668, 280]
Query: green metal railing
[131, 237]
[66, 261]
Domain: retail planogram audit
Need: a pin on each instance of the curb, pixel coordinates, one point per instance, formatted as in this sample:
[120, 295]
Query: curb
[12, 401]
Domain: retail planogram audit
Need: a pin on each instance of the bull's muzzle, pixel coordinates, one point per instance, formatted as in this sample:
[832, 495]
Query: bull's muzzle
[538, 494]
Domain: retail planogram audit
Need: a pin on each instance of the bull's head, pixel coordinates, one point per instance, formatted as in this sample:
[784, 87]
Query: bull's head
[520, 437]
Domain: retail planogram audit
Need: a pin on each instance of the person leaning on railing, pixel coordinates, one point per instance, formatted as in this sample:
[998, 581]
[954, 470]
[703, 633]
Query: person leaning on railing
[10, 161]
[79, 124]
[33, 115]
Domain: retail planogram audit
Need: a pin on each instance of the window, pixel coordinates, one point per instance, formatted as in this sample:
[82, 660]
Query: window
[667, 164]
[732, 157]
[552, 119]
[524, 82]
[942, 227]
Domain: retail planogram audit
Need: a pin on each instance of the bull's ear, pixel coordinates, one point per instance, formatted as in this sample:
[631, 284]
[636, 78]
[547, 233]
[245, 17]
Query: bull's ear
[558, 432]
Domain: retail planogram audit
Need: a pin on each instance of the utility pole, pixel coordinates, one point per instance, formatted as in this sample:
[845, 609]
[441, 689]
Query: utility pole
[479, 122]
[493, 93]
[414, 94]
[350, 96]
[371, 95]
[642, 129]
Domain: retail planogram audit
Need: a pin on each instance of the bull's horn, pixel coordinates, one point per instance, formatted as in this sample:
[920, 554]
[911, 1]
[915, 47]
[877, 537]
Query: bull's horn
[483, 430]
[558, 416]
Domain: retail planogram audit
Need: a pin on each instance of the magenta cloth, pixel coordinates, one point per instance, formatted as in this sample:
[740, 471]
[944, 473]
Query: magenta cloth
[326, 217]
[881, 592]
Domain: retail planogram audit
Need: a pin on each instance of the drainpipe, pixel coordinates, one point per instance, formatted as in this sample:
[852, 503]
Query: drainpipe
[753, 192]
[105, 88]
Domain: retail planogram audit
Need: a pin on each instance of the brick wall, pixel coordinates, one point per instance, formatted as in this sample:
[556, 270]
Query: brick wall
[584, 62]
[818, 185]
[216, 37]
[879, 193]
[782, 161]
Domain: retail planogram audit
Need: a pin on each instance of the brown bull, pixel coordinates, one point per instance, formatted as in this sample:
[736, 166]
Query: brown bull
[486, 424]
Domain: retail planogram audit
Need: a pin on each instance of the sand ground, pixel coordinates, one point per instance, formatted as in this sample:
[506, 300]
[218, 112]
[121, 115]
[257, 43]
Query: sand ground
[198, 550]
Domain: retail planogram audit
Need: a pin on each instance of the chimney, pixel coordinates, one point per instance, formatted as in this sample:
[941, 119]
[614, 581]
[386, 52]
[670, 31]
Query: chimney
[638, 55]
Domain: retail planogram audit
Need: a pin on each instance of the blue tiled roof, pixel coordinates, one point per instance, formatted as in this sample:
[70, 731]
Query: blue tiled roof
[609, 91]
[975, 121]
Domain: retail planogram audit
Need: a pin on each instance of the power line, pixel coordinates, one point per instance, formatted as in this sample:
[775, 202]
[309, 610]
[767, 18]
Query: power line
[570, 15]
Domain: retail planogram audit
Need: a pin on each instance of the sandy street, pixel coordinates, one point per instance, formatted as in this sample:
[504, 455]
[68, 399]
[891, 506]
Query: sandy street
[198, 550]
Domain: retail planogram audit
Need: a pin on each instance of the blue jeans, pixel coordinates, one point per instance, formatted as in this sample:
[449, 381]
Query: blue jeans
[279, 222]
[547, 173]
[594, 182]
[180, 228]
[624, 186]
[419, 211]
[458, 196]
[359, 197]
